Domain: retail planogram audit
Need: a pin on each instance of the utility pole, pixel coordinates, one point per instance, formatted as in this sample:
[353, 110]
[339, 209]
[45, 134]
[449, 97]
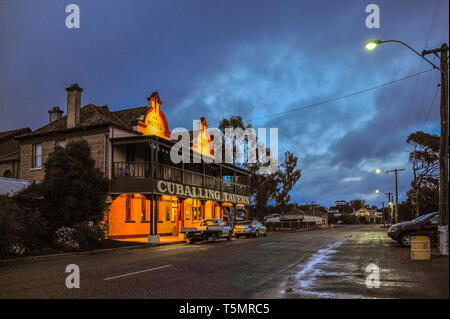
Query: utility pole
[382, 210]
[443, 152]
[395, 171]
[389, 209]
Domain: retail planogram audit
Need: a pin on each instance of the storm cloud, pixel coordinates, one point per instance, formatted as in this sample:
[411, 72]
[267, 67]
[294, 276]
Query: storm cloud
[250, 58]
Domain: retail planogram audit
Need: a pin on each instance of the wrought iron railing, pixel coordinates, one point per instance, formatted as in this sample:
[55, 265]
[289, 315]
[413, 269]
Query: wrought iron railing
[172, 174]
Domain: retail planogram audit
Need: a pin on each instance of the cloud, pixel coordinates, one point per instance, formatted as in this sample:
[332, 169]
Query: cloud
[351, 179]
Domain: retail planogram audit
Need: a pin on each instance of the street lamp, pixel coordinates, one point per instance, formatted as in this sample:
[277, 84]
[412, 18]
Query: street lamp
[377, 191]
[372, 44]
[378, 171]
[444, 136]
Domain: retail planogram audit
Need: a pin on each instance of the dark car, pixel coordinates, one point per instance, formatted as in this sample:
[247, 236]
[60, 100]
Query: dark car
[426, 225]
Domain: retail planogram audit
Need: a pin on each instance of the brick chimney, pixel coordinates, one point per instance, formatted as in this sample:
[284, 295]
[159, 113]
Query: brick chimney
[55, 114]
[73, 105]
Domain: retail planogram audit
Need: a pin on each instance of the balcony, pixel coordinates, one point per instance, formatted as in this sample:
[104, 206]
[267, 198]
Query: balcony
[136, 170]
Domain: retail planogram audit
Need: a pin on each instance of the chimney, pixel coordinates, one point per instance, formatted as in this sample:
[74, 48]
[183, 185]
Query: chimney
[73, 105]
[154, 101]
[55, 114]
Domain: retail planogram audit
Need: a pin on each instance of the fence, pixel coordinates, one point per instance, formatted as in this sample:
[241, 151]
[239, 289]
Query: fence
[289, 225]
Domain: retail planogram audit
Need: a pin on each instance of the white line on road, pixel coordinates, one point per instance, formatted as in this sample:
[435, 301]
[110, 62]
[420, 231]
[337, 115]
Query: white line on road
[266, 244]
[137, 272]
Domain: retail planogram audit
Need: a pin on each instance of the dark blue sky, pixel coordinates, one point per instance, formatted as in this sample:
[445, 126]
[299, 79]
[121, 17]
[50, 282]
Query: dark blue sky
[250, 58]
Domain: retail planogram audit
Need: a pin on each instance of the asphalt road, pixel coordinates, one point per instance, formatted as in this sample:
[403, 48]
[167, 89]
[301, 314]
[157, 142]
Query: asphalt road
[313, 264]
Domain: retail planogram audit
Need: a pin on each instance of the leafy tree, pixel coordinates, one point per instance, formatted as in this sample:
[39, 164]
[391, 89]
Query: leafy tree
[73, 189]
[424, 157]
[265, 188]
[286, 177]
[357, 204]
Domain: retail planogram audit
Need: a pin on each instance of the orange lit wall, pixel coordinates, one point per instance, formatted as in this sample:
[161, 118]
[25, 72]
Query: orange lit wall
[167, 215]
[118, 226]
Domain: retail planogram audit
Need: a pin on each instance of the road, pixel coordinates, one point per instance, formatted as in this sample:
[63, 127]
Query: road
[312, 264]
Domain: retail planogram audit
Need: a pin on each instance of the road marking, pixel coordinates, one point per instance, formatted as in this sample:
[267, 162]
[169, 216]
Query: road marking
[137, 272]
[266, 244]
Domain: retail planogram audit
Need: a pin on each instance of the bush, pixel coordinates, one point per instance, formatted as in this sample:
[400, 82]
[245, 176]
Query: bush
[10, 227]
[65, 239]
[89, 236]
[348, 219]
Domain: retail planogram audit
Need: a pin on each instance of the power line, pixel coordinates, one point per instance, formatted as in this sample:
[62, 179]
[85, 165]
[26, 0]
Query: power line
[431, 106]
[340, 97]
[426, 47]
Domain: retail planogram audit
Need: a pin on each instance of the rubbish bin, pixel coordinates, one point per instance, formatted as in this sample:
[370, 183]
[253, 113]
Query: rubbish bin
[420, 248]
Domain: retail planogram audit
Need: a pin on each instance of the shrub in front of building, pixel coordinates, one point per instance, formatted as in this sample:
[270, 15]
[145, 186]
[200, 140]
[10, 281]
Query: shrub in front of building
[62, 212]
[73, 189]
[348, 219]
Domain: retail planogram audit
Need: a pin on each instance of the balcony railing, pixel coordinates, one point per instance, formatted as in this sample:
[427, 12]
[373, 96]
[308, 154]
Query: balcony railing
[172, 174]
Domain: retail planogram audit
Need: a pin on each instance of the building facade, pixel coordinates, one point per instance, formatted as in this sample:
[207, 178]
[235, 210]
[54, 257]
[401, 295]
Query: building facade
[10, 153]
[149, 194]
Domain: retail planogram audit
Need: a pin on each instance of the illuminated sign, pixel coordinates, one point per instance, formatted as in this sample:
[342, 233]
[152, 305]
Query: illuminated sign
[155, 122]
[176, 189]
[202, 144]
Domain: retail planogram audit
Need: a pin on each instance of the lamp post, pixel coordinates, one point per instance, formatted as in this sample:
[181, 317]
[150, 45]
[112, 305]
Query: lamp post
[444, 138]
[390, 204]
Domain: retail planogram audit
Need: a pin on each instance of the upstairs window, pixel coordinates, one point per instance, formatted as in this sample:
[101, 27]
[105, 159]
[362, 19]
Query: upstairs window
[61, 143]
[37, 156]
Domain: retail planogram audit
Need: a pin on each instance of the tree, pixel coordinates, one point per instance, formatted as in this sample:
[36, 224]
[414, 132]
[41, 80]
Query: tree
[424, 157]
[265, 188]
[286, 178]
[73, 189]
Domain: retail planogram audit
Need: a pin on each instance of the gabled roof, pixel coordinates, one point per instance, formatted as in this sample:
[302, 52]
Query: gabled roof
[9, 146]
[130, 116]
[91, 116]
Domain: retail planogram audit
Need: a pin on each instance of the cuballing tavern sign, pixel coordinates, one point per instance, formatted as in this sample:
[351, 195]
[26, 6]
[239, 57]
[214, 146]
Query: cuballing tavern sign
[176, 189]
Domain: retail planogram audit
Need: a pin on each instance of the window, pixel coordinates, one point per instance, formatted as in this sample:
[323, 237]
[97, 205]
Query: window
[61, 143]
[127, 209]
[434, 220]
[168, 213]
[37, 156]
[143, 208]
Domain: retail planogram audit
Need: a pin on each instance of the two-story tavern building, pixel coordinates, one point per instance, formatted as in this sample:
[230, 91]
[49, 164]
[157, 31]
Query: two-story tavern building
[149, 194]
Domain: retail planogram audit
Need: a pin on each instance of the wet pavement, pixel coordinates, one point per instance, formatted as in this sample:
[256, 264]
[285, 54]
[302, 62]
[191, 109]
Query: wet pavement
[329, 263]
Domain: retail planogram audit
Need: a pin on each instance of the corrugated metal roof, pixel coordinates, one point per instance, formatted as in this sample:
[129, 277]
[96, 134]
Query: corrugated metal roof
[10, 186]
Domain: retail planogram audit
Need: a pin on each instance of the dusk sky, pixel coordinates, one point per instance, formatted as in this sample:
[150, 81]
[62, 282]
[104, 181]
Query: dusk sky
[251, 58]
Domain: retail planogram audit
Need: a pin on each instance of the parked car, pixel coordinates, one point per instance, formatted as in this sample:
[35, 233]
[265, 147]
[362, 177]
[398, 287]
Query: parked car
[250, 228]
[209, 229]
[426, 225]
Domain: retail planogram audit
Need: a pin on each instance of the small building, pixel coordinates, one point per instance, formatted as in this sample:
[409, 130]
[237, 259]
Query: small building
[10, 153]
[368, 216]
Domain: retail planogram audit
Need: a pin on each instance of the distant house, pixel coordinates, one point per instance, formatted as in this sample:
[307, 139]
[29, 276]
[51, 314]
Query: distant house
[10, 153]
[368, 216]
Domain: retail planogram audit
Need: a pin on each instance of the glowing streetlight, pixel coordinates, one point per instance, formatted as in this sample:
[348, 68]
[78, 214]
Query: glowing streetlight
[377, 191]
[371, 44]
[378, 171]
